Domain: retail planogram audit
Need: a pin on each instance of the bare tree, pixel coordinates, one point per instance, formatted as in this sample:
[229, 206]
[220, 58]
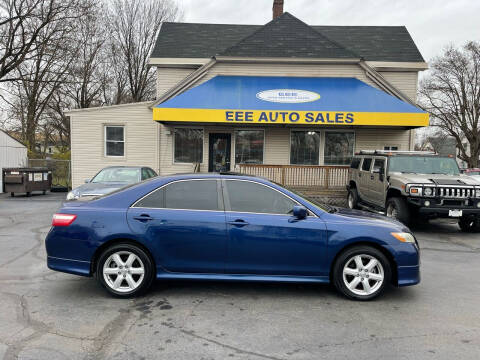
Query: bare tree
[451, 93]
[22, 22]
[134, 28]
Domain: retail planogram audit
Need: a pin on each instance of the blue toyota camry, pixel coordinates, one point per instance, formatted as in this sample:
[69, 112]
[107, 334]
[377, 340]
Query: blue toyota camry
[228, 227]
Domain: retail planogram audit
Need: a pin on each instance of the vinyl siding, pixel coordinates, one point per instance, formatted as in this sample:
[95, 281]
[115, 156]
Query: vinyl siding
[87, 139]
[405, 81]
[12, 154]
[169, 77]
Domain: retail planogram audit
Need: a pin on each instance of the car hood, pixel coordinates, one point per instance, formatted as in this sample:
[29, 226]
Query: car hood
[439, 179]
[98, 188]
[364, 216]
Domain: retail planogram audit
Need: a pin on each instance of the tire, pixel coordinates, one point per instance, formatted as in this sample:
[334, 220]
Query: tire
[131, 281]
[29, 194]
[12, 194]
[351, 283]
[470, 224]
[352, 198]
[397, 209]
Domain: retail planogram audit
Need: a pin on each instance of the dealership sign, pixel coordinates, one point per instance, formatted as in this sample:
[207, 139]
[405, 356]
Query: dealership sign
[288, 96]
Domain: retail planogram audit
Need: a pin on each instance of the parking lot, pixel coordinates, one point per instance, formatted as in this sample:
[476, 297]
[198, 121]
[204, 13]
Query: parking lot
[49, 315]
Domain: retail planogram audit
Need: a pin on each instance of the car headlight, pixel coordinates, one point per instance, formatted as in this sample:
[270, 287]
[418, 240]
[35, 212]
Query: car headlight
[72, 195]
[404, 237]
[428, 191]
[415, 190]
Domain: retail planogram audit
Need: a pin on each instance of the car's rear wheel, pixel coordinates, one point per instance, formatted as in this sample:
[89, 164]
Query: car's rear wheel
[397, 208]
[125, 270]
[361, 273]
[469, 223]
[352, 198]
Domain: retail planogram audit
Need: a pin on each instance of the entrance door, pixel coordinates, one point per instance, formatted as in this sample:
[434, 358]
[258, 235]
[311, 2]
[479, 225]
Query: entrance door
[219, 146]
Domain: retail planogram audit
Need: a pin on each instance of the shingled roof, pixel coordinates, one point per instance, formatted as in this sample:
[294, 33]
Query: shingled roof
[286, 36]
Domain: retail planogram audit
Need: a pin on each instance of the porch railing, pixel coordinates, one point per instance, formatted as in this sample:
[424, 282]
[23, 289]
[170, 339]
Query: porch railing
[326, 177]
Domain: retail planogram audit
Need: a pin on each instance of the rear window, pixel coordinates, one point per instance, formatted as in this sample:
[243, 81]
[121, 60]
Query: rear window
[355, 163]
[366, 164]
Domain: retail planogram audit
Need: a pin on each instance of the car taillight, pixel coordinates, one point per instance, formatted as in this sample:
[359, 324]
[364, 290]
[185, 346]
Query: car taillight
[63, 219]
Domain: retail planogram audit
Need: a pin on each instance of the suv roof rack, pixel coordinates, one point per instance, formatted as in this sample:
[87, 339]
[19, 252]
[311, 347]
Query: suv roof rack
[394, 152]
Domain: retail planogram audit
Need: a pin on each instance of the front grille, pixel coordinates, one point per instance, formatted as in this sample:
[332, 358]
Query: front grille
[455, 192]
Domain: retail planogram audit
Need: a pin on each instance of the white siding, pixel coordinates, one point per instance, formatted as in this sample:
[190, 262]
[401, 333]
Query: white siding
[169, 77]
[12, 154]
[405, 81]
[87, 139]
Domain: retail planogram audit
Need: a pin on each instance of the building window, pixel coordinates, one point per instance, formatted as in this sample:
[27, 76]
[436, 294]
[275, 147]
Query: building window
[249, 146]
[188, 145]
[304, 147]
[339, 147]
[390, 148]
[114, 141]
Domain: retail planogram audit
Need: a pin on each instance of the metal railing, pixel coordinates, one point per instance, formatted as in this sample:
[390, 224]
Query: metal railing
[327, 177]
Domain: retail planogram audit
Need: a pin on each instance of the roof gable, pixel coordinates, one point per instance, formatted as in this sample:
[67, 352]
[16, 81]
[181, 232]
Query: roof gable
[287, 36]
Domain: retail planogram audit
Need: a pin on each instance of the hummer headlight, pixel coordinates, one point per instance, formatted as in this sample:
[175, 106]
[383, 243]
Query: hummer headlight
[428, 191]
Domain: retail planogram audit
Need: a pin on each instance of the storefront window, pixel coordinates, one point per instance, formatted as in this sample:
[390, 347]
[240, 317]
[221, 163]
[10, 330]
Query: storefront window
[305, 147]
[188, 145]
[339, 147]
[249, 147]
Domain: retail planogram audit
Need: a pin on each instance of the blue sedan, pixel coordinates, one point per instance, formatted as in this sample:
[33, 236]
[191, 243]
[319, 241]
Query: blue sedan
[228, 227]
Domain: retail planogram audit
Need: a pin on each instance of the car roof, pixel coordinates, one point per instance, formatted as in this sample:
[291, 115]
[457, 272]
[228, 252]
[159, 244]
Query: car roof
[213, 175]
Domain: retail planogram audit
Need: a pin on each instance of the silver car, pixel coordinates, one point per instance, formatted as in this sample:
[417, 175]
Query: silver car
[110, 179]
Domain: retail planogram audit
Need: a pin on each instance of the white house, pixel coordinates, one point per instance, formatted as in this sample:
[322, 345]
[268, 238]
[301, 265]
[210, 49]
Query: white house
[12, 153]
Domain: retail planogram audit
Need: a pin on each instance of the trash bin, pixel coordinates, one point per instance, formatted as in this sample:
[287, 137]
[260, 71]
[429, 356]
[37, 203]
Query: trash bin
[26, 180]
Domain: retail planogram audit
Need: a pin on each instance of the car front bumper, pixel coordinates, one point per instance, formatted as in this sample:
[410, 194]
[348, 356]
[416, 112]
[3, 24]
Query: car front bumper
[441, 207]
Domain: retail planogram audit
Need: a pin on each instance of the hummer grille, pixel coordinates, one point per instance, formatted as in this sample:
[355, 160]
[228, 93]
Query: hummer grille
[455, 192]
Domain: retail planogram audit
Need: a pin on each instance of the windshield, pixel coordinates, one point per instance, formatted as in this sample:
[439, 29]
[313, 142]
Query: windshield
[423, 165]
[124, 175]
[313, 202]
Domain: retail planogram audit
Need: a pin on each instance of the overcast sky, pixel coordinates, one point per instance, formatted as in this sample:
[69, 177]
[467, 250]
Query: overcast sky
[431, 23]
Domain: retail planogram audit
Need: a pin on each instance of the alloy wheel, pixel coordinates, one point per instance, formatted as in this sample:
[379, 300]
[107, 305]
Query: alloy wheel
[392, 211]
[123, 271]
[363, 274]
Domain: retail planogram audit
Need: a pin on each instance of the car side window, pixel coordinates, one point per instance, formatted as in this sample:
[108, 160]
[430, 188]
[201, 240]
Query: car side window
[187, 195]
[379, 164]
[145, 174]
[366, 164]
[246, 196]
[355, 163]
[151, 173]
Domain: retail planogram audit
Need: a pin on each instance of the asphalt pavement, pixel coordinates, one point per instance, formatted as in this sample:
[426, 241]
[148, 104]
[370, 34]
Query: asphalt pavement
[50, 315]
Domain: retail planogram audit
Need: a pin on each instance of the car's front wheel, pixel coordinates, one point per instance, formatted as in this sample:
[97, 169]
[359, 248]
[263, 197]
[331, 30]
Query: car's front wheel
[469, 223]
[125, 270]
[397, 208]
[361, 273]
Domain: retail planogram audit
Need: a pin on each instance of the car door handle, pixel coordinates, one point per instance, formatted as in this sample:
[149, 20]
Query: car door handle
[143, 217]
[237, 222]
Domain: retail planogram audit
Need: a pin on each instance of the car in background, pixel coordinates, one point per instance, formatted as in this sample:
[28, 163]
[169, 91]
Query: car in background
[110, 179]
[475, 173]
[228, 227]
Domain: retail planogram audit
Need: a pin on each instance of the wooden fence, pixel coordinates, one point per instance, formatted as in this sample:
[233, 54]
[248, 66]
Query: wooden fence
[327, 177]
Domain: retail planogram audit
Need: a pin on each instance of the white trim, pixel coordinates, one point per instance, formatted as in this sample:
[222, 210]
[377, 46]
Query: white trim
[108, 107]
[247, 59]
[339, 131]
[173, 143]
[397, 65]
[182, 62]
[235, 143]
[105, 141]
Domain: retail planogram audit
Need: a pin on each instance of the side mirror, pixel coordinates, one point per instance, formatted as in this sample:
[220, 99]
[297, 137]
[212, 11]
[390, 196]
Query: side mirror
[87, 181]
[299, 212]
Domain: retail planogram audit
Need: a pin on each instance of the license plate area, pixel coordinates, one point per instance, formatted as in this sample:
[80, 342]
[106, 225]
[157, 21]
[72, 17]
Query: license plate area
[455, 213]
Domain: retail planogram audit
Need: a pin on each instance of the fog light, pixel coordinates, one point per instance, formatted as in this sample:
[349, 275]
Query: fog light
[478, 204]
[427, 203]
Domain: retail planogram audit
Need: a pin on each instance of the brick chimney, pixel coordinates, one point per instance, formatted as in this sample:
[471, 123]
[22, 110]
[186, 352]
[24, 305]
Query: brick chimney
[277, 8]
